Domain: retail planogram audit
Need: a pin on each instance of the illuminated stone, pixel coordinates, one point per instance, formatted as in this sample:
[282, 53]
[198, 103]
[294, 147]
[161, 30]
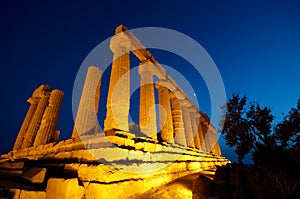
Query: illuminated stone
[117, 106]
[165, 115]
[47, 128]
[64, 188]
[179, 135]
[33, 105]
[43, 93]
[187, 125]
[86, 117]
[194, 123]
[147, 116]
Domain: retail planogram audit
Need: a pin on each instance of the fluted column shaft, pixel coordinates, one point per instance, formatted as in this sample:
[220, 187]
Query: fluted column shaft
[50, 118]
[33, 105]
[165, 115]
[214, 141]
[206, 136]
[179, 134]
[147, 117]
[35, 122]
[117, 107]
[201, 136]
[86, 117]
[195, 122]
[188, 126]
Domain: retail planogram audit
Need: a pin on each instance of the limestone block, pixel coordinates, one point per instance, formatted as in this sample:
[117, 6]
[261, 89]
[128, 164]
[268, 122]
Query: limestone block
[97, 142]
[129, 143]
[139, 146]
[149, 147]
[173, 168]
[10, 173]
[190, 166]
[24, 194]
[88, 156]
[114, 191]
[154, 182]
[158, 147]
[63, 155]
[34, 174]
[119, 141]
[77, 154]
[109, 154]
[53, 149]
[77, 146]
[71, 169]
[14, 193]
[64, 189]
[11, 165]
[101, 173]
[147, 157]
[50, 156]
[135, 155]
[124, 134]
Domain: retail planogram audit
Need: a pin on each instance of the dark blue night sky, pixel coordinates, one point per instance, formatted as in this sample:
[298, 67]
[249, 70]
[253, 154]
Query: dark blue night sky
[255, 44]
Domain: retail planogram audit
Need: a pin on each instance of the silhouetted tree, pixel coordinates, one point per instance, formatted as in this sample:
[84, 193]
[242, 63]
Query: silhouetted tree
[275, 148]
[247, 127]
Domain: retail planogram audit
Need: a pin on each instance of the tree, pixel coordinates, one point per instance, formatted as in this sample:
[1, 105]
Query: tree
[275, 148]
[247, 127]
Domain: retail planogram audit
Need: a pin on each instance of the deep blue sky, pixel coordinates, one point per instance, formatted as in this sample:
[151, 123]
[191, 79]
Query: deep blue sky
[256, 46]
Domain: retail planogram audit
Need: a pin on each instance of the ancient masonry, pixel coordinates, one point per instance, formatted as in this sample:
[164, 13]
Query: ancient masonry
[115, 163]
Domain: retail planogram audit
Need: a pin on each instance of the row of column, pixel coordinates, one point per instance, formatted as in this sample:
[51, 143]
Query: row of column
[39, 125]
[178, 121]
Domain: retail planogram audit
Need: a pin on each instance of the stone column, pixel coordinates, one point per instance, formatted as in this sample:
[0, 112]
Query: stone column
[206, 132]
[33, 105]
[201, 134]
[50, 118]
[179, 135]
[187, 125]
[56, 136]
[87, 112]
[117, 107]
[165, 115]
[214, 141]
[36, 121]
[195, 122]
[147, 117]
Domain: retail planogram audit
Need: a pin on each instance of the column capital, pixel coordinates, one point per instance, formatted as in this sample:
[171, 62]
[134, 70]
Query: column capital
[120, 42]
[165, 84]
[33, 100]
[176, 95]
[186, 104]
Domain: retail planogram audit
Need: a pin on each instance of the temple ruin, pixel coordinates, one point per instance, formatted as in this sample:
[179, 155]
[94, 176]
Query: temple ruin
[114, 163]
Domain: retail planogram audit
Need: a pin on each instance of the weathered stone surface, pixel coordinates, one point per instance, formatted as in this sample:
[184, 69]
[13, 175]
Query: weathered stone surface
[165, 115]
[24, 194]
[101, 173]
[49, 120]
[118, 93]
[34, 174]
[86, 117]
[114, 191]
[33, 105]
[11, 165]
[147, 116]
[10, 173]
[178, 126]
[64, 189]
